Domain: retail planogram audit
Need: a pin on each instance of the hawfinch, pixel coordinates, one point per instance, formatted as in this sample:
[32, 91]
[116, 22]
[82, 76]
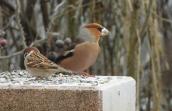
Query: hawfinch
[84, 54]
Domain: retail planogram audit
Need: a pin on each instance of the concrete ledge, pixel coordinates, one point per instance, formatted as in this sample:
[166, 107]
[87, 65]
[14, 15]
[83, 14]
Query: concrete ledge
[20, 92]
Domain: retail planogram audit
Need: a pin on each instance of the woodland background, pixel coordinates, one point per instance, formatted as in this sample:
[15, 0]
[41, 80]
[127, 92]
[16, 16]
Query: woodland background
[139, 44]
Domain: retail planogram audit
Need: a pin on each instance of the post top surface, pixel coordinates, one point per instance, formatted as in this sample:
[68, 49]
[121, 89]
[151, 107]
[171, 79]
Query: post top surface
[20, 79]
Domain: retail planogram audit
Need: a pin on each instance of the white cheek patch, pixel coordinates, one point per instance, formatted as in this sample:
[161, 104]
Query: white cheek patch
[104, 32]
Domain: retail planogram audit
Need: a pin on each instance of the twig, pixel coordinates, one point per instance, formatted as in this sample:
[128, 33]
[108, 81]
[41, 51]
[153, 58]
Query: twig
[162, 18]
[7, 4]
[17, 13]
[9, 23]
[58, 12]
[36, 42]
[12, 55]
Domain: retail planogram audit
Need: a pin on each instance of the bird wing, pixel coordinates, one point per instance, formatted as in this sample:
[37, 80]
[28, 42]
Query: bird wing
[68, 51]
[40, 61]
[65, 55]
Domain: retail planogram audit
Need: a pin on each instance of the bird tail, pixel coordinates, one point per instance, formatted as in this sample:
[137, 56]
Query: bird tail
[64, 71]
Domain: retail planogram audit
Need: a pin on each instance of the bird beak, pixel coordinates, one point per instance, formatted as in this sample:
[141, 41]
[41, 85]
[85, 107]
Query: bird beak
[104, 32]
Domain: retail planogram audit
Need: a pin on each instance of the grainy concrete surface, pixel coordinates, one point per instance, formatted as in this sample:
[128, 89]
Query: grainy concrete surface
[21, 92]
[49, 100]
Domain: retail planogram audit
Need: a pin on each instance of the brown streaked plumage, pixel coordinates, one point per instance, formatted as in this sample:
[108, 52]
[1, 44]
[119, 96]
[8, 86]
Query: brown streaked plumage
[85, 54]
[38, 65]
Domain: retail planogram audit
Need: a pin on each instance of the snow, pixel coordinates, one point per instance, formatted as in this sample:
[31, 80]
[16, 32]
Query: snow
[22, 77]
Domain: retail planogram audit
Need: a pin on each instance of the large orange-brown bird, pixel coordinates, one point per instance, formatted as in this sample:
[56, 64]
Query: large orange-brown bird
[84, 54]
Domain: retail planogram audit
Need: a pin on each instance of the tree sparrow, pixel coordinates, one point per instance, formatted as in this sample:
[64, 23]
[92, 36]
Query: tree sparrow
[38, 65]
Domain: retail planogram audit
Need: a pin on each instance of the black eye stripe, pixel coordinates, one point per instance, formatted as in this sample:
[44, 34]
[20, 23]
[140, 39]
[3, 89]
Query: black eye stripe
[99, 28]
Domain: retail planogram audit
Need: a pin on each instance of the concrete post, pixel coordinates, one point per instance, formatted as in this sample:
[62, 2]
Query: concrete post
[66, 93]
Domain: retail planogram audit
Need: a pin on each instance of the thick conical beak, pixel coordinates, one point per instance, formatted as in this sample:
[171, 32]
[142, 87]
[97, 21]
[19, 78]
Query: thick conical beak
[104, 32]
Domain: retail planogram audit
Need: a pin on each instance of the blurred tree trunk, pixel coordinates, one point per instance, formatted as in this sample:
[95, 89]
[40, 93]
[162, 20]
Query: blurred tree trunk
[0, 29]
[44, 8]
[132, 64]
[165, 17]
[1, 18]
[4, 64]
[71, 21]
[133, 53]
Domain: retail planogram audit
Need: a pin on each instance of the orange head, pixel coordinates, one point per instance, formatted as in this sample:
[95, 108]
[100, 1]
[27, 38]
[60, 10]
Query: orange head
[96, 30]
[29, 49]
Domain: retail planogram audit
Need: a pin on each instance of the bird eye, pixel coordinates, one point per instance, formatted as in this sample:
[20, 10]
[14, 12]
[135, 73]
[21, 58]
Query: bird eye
[99, 29]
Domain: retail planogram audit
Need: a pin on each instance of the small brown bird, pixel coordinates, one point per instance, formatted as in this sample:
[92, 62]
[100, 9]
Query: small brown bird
[85, 53]
[38, 65]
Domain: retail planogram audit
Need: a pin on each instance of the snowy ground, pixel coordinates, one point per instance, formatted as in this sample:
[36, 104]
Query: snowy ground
[22, 77]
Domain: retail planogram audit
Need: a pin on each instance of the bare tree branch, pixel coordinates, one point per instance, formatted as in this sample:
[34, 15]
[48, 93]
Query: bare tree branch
[58, 13]
[4, 3]
[12, 55]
